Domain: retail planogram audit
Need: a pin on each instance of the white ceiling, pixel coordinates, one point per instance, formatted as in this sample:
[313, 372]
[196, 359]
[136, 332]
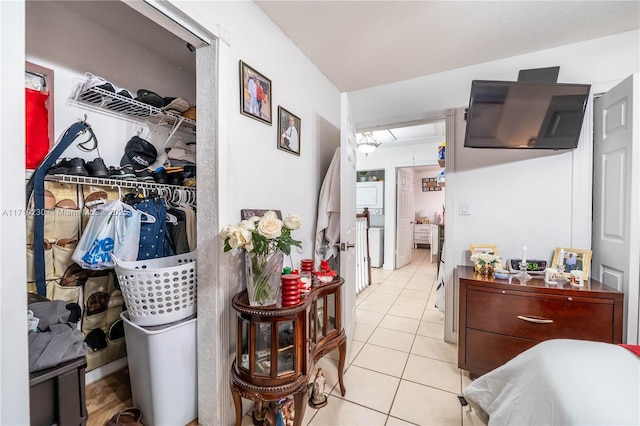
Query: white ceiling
[361, 44]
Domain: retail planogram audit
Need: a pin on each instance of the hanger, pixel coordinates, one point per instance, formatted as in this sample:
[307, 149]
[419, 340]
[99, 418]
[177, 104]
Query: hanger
[172, 219]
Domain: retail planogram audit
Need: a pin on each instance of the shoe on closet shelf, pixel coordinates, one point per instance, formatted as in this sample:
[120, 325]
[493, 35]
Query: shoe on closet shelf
[93, 81]
[177, 105]
[125, 172]
[118, 104]
[69, 166]
[160, 175]
[97, 168]
[144, 175]
[148, 97]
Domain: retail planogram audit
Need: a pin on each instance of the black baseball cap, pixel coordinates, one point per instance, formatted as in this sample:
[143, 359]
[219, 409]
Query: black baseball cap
[139, 153]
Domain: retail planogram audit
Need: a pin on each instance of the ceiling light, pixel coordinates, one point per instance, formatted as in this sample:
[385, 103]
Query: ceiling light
[367, 144]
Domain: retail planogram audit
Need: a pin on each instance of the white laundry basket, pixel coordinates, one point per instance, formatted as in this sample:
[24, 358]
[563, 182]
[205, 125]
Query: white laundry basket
[163, 371]
[159, 291]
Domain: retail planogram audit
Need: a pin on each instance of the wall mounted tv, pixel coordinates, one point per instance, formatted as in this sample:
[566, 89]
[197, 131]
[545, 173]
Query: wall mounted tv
[509, 114]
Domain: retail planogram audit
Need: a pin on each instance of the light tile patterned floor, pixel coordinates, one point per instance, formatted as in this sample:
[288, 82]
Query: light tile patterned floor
[400, 371]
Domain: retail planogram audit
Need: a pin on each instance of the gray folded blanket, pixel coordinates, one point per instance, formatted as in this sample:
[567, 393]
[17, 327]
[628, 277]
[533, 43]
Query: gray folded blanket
[56, 340]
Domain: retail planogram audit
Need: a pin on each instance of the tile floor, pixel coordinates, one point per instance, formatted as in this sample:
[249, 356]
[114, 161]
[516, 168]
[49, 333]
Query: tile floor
[400, 371]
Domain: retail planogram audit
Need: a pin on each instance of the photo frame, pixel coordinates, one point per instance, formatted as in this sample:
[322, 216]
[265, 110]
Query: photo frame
[573, 259]
[430, 184]
[246, 214]
[485, 248]
[255, 94]
[288, 131]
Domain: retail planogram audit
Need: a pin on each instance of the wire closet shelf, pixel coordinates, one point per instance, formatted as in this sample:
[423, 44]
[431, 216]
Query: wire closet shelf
[123, 107]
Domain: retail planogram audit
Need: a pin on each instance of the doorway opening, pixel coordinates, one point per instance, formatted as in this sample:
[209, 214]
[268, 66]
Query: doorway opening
[410, 149]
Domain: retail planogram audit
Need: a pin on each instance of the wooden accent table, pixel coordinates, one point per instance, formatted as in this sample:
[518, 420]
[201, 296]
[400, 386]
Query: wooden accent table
[498, 319]
[278, 348]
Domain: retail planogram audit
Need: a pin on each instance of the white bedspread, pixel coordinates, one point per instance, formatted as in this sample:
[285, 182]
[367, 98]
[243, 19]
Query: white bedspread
[562, 382]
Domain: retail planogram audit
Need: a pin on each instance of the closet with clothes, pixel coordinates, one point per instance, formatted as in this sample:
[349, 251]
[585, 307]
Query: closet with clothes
[134, 97]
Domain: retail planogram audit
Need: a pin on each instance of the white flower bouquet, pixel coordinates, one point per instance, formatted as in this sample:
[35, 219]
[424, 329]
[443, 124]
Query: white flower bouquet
[264, 240]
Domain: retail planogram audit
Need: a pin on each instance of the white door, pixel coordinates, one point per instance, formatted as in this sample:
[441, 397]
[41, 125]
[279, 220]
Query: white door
[405, 218]
[348, 219]
[616, 193]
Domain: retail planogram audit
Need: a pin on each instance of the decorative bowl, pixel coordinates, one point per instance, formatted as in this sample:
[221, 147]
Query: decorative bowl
[325, 278]
[501, 274]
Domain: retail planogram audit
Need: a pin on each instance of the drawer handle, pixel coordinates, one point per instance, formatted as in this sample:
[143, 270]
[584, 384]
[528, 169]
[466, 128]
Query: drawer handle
[537, 320]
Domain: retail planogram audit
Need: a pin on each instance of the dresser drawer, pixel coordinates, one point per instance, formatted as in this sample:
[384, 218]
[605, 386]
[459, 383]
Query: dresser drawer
[485, 351]
[539, 317]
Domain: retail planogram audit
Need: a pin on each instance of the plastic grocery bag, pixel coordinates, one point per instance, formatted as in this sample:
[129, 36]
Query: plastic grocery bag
[113, 229]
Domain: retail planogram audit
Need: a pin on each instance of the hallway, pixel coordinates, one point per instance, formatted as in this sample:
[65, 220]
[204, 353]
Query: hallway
[400, 371]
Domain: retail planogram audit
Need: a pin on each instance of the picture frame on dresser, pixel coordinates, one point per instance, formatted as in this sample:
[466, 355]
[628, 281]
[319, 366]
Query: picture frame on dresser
[573, 259]
[485, 248]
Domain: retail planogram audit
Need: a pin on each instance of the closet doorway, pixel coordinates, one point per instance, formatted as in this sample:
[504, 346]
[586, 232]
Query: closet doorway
[117, 40]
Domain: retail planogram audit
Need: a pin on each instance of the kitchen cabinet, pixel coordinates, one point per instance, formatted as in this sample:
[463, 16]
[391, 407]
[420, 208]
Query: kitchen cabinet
[498, 319]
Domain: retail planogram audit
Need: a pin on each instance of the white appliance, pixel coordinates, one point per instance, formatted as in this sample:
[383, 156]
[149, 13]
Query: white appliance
[376, 246]
[371, 195]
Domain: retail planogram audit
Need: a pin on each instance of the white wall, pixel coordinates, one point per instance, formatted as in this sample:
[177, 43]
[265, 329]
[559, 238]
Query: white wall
[260, 175]
[497, 182]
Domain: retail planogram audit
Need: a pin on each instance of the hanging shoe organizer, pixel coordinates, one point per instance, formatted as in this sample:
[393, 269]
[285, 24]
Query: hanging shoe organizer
[35, 186]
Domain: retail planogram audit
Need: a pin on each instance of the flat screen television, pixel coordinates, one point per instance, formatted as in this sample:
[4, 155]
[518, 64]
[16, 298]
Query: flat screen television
[509, 114]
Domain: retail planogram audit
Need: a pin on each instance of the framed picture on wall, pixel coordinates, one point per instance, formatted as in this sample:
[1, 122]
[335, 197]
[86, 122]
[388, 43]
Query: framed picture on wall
[255, 94]
[430, 184]
[288, 131]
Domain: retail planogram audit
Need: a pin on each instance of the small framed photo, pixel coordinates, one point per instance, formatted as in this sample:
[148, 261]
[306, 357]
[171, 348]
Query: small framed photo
[288, 131]
[255, 94]
[486, 248]
[573, 260]
[430, 184]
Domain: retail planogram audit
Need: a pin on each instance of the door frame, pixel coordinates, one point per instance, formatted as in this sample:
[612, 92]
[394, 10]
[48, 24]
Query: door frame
[212, 59]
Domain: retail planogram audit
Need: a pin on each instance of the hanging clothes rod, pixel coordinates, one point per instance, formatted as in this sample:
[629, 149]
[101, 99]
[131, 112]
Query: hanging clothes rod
[115, 183]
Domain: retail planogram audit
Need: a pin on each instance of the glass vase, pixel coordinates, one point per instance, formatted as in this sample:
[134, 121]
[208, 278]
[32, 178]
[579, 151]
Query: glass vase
[486, 269]
[263, 273]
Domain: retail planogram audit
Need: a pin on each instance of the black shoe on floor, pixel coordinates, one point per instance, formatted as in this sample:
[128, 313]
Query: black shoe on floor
[69, 166]
[96, 168]
[144, 175]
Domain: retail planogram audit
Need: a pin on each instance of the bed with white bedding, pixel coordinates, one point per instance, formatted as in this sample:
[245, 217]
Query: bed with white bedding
[562, 382]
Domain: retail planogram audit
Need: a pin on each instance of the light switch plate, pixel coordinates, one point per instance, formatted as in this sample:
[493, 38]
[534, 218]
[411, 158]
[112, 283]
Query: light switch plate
[465, 208]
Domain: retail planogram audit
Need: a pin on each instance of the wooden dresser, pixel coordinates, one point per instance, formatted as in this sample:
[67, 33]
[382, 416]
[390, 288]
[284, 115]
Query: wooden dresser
[499, 319]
